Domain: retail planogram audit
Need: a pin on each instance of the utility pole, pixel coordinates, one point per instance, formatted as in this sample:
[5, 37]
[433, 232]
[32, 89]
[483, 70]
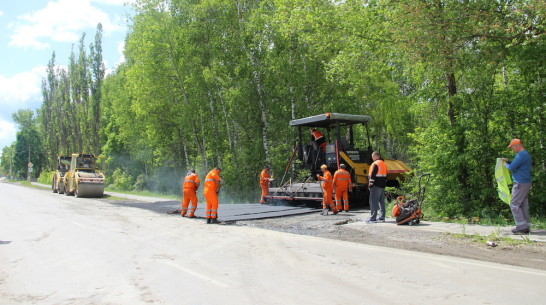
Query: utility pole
[28, 164]
[11, 163]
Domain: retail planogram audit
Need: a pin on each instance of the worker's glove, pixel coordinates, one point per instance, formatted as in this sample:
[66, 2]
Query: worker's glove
[272, 179]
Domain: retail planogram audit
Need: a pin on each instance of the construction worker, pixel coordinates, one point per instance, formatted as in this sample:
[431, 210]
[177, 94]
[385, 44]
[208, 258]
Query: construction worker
[212, 187]
[265, 180]
[327, 190]
[377, 183]
[342, 185]
[521, 176]
[191, 184]
[318, 137]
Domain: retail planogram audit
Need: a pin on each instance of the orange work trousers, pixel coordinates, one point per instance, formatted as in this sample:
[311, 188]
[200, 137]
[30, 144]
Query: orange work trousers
[342, 193]
[327, 200]
[189, 195]
[212, 204]
[265, 191]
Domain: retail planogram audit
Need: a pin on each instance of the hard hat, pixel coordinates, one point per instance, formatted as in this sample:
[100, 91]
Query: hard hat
[342, 165]
[323, 166]
[514, 142]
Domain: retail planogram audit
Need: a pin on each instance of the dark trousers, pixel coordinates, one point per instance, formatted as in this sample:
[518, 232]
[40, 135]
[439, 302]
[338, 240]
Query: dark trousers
[377, 201]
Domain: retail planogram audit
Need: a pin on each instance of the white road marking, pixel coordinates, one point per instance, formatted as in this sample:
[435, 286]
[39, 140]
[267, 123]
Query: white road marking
[199, 275]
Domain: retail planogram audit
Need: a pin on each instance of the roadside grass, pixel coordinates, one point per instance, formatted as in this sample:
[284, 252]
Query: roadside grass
[143, 193]
[536, 222]
[496, 237]
[106, 196]
[26, 183]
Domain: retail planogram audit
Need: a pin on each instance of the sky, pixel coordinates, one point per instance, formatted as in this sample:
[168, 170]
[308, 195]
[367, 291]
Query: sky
[31, 30]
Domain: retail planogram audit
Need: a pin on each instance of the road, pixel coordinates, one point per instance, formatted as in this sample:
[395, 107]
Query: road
[64, 250]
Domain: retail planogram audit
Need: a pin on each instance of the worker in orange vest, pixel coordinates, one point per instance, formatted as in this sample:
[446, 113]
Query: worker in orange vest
[265, 180]
[342, 185]
[191, 184]
[318, 137]
[213, 183]
[377, 182]
[327, 190]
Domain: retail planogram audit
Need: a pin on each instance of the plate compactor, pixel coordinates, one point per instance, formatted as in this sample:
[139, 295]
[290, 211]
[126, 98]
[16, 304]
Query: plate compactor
[410, 212]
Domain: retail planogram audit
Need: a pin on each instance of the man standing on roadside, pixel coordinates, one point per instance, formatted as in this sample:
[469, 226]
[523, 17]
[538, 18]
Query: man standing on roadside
[342, 184]
[212, 187]
[521, 176]
[327, 190]
[191, 184]
[377, 183]
[265, 180]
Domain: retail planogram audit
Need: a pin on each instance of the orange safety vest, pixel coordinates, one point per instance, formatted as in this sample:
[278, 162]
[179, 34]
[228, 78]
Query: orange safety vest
[264, 177]
[327, 182]
[191, 182]
[342, 179]
[381, 175]
[212, 182]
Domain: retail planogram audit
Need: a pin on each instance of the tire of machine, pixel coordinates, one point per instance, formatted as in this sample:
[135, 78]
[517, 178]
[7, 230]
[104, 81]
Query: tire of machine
[53, 186]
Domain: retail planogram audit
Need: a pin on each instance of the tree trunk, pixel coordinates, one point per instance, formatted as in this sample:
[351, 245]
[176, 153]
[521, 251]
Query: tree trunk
[214, 130]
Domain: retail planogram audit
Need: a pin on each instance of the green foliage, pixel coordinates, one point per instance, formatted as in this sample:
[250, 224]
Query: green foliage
[46, 177]
[121, 180]
[216, 83]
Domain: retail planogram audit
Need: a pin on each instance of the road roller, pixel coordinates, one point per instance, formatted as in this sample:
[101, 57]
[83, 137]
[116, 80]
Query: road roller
[85, 177]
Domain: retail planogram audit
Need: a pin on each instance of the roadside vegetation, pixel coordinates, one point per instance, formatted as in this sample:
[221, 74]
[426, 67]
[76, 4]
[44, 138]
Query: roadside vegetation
[215, 83]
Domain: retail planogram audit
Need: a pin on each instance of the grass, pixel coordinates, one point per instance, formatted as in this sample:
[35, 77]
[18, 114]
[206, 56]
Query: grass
[536, 222]
[496, 237]
[26, 183]
[106, 196]
[144, 193]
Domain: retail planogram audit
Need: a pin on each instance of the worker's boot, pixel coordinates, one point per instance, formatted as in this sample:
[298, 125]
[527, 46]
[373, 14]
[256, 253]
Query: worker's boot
[214, 221]
[208, 220]
[191, 215]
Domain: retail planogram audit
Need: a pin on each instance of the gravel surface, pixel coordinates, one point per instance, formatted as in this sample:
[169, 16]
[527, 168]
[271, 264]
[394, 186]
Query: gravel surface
[349, 227]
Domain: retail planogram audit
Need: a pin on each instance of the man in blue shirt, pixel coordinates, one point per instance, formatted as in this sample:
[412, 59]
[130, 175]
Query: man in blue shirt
[521, 176]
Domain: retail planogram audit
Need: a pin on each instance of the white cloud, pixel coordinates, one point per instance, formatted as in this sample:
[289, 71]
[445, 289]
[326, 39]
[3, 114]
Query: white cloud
[8, 133]
[121, 48]
[1, 13]
[61, 20]
[113, 2]
[21, 88]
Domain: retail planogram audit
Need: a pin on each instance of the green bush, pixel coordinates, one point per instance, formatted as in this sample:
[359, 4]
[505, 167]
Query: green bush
[121, 180]
[45, 177]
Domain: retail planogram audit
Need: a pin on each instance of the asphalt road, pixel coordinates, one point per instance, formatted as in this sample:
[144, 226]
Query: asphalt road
[64, 250]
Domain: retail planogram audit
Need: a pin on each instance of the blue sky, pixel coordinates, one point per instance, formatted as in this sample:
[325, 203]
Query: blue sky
[30, 30]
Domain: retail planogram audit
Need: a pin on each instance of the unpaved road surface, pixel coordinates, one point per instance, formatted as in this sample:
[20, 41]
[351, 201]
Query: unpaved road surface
[351, 227]
[64, 250]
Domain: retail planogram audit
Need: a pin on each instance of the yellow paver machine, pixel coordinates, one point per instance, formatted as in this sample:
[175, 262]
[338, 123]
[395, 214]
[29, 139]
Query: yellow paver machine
[338, 132]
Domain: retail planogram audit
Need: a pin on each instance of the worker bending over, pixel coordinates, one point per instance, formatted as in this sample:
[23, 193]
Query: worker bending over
[265, 180]
[212, 187]
[327, 190]
[191, 184]
[318, 137]
[342, 185]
